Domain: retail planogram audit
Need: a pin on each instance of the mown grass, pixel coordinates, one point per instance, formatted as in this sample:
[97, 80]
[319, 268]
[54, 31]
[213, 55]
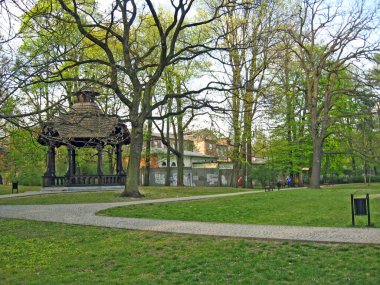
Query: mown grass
[7, 189]
[329, 207]
[47, 253]
[114, 196]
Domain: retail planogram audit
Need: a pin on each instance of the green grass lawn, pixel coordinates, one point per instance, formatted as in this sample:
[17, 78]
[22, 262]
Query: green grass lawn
[329, 207]
[114, 196]
[47, 253]
[7, 189]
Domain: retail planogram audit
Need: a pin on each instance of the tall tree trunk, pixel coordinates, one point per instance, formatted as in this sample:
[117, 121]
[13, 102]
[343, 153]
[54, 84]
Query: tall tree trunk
[243, 154]
[148, 142]
[290, 117]
[147, 153]
[315, 179]
[249, 155]
[180, 160]
[133, 171]
[247, 137]
[236, 127]
[316, 130]
[236, 149]
[167, 177]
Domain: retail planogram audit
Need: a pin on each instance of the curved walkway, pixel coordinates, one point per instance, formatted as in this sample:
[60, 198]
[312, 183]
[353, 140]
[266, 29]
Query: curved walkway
[84, 214]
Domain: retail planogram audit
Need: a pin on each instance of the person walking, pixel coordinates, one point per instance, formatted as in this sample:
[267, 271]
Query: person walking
[288, 181]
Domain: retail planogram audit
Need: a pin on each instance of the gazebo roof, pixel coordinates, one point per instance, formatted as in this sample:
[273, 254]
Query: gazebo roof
[84, 125]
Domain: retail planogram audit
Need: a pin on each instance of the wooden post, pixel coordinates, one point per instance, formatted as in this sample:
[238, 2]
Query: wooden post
[52, 160]
[49, 175]
[70, 164]
[100, 162]
[73, 161]
[70, 151]
[119, 160]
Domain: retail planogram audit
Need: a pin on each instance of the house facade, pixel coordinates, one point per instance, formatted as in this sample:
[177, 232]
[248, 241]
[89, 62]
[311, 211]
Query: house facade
[158, 153]
[207, 143]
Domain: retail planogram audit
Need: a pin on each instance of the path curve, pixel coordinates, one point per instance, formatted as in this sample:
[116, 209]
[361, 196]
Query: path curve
[84, 214]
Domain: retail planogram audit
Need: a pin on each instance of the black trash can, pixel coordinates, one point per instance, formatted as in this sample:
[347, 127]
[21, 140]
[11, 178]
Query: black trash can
[15, 186]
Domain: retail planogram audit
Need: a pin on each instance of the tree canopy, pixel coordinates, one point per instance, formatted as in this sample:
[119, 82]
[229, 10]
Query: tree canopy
[297, 83]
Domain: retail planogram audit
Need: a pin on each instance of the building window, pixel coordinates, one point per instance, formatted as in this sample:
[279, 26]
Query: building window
[163, 163]
[173, 164]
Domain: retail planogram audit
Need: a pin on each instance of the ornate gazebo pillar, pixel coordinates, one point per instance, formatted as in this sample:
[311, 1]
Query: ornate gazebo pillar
[119, 160]
[119, 164]
[99, 148]
[71, 165]
[49, 175]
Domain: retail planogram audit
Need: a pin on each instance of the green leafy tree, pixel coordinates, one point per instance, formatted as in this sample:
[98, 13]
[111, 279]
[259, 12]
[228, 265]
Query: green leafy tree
[133, 73]
[326, 41]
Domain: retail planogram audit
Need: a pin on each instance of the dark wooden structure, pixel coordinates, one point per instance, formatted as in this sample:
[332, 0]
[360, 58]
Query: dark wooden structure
[83, 126]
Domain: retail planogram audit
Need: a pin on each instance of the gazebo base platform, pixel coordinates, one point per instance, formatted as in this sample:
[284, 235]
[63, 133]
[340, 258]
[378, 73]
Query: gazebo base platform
[95, 188]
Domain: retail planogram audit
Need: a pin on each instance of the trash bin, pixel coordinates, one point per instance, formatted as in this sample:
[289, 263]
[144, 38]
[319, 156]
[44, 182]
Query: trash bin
[15, 186]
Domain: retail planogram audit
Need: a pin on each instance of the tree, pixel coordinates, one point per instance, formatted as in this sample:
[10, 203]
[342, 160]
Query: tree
[328, 38]
[176, 80]
[249, 32]
[133, 73]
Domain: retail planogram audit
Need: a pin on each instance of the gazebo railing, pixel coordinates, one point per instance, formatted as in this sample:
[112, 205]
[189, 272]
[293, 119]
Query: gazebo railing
[84, 180]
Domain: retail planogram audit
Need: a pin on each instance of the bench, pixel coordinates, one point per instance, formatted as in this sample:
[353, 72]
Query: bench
[269, 187]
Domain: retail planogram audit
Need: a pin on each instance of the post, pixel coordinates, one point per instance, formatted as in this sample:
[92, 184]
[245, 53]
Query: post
[99, 148]
[369, 214]
[52, 160]
[49, 175]
[352, 209]
[119, 160]
[71, 160]
[70, 165]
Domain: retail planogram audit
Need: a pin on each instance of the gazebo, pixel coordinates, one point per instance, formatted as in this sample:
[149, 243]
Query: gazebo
[83, 126]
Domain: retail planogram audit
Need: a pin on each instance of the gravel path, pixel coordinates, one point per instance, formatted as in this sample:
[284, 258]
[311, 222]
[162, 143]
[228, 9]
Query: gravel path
[84, 214]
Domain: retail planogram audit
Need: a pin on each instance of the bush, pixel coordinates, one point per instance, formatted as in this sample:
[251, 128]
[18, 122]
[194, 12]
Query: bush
[263, 173]
[30, 177]
[352, 179]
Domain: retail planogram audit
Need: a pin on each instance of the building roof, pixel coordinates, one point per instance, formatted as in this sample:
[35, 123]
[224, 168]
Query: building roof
[197, 154]
[76, 124]
[202, 134]
[186, 153]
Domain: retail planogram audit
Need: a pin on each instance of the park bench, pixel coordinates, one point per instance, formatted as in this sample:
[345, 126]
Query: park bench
[269, 187]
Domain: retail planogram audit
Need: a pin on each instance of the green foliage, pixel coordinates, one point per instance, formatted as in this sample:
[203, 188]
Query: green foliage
[375, 73]
[25, 158]
[264, 173]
